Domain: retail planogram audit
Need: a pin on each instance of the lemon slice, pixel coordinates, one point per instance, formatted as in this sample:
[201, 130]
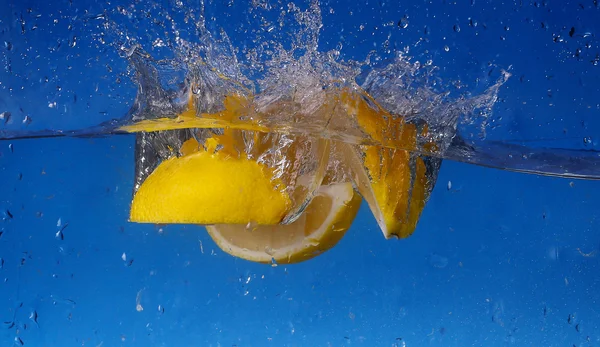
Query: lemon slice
[207, 188]
[395, 182]
[322, 225]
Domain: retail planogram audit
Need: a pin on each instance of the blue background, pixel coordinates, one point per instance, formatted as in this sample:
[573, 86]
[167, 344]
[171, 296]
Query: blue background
[496, 260]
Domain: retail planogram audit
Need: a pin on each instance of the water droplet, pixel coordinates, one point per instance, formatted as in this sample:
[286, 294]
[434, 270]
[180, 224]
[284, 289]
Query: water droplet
[361, 27]
[449, 185]
[446, 48]
[438, 261]
[456, 28]
[158, 43]
[5, 116]
[557, 38]
[587, 140]
[8, 45]
[403, 23]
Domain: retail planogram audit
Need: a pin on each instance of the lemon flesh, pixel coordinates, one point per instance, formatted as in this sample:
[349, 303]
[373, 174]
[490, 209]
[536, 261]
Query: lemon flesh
[322, 225]
[393, 181]
[207, 188]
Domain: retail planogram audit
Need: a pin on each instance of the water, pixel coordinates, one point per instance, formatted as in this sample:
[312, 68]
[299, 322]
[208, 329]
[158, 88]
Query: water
[282, 66]
[498, 259]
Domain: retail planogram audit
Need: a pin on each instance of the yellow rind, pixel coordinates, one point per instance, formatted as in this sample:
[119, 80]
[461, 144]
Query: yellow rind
[207, 188]
[322, 225]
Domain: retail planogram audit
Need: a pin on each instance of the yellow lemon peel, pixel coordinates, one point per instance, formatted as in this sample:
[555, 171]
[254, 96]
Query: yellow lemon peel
[203, 187]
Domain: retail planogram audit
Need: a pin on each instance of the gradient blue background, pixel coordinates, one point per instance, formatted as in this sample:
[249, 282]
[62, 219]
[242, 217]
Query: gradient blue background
[489, 256]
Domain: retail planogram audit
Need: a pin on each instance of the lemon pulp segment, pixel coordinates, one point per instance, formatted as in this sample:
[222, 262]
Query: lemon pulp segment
[395, 180]
[322, 225]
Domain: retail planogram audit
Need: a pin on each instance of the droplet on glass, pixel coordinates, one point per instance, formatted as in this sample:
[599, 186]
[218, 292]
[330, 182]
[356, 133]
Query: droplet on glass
[446, 48]
[456, 28]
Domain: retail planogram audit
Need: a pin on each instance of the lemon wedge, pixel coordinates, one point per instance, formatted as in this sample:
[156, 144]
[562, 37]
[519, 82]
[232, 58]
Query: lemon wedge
[206, 188]
[322, 225]
[395, 182]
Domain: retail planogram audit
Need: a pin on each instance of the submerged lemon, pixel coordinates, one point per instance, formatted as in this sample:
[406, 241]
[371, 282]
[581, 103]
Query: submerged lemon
[230, 189]
[206, 188]
[321, 226]
[394, 181]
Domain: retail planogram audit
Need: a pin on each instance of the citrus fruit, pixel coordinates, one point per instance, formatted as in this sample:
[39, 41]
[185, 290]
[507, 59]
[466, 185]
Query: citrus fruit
[203, 187]
[395, 182]
[322, 225]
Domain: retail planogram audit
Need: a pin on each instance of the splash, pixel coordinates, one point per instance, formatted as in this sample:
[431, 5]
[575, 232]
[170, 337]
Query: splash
[283, 69]
[175, 48]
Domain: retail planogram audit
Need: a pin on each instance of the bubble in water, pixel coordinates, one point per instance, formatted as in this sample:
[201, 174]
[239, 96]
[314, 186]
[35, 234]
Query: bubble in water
[158, 43]
[403, 23]
[456, 28]
[5, 116]
[438, 261]
[446, 48]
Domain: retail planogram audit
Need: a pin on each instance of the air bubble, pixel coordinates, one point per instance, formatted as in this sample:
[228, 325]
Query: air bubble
[456, 28]
[403, 23]
[446, 48]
